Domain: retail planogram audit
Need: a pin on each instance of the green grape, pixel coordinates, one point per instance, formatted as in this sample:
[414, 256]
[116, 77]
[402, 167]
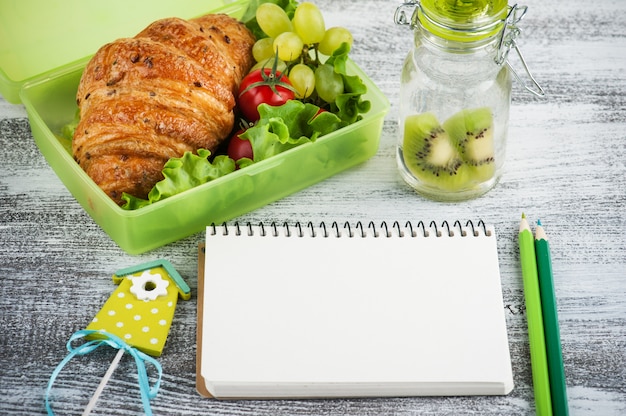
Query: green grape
[333, 38]
[308, 23]
[303, 80]
[328, 83]
[272, 19]
[263, 49]
[289, 46]
[269, 63]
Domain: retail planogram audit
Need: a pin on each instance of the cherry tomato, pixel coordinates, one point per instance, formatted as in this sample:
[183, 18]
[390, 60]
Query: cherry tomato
[263, 86]
[238, 147]
[320, 111]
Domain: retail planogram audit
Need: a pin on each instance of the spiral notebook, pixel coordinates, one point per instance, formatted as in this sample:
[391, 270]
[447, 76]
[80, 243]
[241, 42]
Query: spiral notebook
[351, 310]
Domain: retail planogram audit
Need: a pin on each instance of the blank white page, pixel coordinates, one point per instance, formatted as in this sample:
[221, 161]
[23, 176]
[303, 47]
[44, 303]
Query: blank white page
[305, 316]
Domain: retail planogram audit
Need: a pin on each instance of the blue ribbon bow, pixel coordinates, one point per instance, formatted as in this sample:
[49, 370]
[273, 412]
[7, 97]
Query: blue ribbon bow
[104, 338]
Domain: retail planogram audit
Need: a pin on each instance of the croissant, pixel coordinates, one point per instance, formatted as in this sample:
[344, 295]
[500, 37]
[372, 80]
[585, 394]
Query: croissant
[169, 90]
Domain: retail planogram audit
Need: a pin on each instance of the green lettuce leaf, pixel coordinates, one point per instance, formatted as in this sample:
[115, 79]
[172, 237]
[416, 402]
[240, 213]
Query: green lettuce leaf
[67, 131]
[350, 105]
[181, 174]
[284, 127]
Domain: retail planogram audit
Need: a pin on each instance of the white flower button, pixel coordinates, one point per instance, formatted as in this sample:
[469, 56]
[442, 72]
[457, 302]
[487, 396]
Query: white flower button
[148, 286]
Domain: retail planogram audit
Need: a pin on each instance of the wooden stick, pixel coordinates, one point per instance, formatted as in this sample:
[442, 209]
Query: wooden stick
[103, 382]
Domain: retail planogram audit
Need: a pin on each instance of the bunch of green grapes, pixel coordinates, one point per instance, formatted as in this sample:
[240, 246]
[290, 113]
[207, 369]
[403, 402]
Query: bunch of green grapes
[296, 45]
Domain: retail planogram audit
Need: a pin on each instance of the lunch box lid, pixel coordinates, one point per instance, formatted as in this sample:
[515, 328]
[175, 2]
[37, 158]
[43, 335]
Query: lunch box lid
[39, 38]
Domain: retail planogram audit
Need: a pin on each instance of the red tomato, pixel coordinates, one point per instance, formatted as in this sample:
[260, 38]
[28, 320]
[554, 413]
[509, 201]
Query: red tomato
[320, 111]
[263, 86]
[238, 147]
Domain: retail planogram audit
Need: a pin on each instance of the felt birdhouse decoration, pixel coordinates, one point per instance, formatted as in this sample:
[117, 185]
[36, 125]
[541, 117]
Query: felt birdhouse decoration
[135, 320]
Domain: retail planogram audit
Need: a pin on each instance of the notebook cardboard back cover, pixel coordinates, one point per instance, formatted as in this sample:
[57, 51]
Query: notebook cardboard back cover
[200, 383]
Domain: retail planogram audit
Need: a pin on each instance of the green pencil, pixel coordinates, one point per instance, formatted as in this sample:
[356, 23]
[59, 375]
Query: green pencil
[538, 356]
[551, 323]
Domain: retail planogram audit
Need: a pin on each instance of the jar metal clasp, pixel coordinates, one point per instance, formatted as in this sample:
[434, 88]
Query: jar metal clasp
[508, 34]
[400, 17]
[507, 42]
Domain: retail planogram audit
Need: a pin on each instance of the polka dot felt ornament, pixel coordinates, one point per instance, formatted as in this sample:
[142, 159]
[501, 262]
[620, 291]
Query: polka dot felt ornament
[135, 319]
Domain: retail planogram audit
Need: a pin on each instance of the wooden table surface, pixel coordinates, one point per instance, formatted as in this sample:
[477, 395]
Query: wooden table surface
[566, 164]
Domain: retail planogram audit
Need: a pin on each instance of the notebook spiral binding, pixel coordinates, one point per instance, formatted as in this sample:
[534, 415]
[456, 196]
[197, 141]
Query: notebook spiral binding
[358, 229]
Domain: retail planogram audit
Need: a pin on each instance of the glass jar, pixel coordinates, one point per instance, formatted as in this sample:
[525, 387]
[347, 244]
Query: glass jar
[455, 95]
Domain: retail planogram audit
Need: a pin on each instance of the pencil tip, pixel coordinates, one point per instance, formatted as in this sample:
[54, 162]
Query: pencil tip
[523, 216]
[539, 223]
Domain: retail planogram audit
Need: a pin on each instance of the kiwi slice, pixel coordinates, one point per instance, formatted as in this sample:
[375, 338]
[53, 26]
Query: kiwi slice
[471, 132]
[454, 156]
[430, 155]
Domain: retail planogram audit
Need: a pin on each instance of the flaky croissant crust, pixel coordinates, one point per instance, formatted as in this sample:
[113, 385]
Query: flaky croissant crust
[147, 99]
